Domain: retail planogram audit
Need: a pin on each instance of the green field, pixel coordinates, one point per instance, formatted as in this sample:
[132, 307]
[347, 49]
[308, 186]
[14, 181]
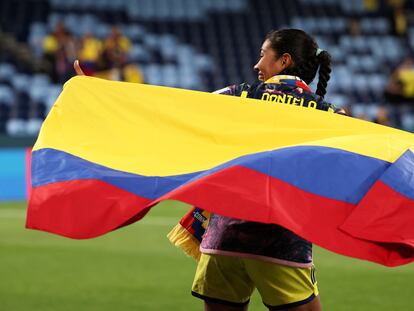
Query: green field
[136, 268]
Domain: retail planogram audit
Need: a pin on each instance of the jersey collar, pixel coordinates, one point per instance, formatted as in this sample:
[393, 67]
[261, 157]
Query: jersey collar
[289, 80]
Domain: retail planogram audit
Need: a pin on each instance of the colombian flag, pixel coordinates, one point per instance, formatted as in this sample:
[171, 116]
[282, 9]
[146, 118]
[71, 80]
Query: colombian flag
[109, 151]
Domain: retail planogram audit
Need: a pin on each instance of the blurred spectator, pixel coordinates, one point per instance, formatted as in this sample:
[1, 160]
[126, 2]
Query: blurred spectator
[131, 73]
[116, 48]
[89, 53]
[400, 22]
[128, 73]
[400, 86]
[107, 60]
[371, 5]
[60, 50]
[113, 63]
[398, 17]
[406, 78]
[382, 116]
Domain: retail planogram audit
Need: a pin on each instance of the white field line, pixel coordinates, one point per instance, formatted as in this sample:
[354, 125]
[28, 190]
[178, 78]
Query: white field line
[12, 213]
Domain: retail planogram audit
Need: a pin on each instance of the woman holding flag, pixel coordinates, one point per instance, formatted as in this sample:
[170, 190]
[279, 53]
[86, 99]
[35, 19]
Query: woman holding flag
[238, 256]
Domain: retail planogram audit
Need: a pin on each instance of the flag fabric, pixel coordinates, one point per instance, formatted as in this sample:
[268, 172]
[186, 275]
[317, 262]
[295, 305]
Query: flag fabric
[188, 233]
[109, 151]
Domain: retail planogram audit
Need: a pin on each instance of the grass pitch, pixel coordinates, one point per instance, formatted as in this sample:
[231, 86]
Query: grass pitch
[135, 268]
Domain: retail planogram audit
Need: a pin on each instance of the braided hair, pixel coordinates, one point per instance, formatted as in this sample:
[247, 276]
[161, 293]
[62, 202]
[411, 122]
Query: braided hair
[305, 59]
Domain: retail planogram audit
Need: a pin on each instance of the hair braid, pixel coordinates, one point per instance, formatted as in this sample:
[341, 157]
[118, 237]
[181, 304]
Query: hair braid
[324, 59]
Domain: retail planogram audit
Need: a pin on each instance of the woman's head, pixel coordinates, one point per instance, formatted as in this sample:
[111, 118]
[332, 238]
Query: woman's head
[293, 52]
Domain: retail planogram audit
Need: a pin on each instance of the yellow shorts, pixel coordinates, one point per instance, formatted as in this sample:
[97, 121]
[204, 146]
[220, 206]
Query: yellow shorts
[232, 280]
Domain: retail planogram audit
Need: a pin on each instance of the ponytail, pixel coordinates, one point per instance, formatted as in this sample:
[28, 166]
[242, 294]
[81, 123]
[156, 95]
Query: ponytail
[324, 60]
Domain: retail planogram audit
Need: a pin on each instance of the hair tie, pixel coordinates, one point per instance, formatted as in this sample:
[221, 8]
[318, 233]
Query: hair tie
[318, 51]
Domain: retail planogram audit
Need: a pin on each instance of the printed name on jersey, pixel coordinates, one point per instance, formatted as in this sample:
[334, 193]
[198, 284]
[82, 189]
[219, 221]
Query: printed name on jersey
[290, 100]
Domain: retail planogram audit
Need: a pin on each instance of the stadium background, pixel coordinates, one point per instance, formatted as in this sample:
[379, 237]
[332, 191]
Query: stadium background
[194, 44]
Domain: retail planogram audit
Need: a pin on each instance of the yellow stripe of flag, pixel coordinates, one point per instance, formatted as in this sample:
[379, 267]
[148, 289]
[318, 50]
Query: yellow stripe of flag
[160, 131]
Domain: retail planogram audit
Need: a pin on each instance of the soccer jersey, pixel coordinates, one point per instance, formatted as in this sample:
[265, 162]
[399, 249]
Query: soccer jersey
[269, 242]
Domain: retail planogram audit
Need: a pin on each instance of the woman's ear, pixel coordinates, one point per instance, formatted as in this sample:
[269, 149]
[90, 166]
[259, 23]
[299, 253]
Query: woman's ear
[286, 60]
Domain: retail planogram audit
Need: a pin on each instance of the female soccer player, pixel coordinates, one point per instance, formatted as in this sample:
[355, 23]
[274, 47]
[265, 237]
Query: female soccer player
[239, 256]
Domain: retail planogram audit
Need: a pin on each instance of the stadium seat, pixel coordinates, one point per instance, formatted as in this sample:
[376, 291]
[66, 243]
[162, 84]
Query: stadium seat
[33, 126]
[16, 127]
[6, 71]
[7, 95]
